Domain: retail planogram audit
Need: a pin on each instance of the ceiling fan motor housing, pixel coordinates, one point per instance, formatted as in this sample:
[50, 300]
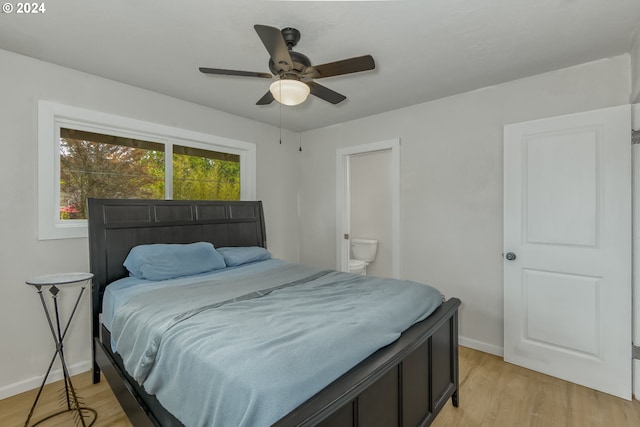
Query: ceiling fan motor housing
[300, 62]
[291, 36]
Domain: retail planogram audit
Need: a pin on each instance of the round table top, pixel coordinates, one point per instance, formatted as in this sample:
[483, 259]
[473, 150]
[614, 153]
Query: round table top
[59, 279]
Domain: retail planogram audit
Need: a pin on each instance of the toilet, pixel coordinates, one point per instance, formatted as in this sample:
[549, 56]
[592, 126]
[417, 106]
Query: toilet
[363, 253]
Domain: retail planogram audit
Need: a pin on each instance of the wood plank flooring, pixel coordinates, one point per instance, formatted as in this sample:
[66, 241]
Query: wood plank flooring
[495, 393]
[492, 393]
[14, 410]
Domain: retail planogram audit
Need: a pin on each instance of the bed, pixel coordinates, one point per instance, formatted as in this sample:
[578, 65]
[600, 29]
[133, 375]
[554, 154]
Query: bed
[404, 383]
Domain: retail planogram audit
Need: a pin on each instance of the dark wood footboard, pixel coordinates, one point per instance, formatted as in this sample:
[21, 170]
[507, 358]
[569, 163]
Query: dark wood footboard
[403, 384]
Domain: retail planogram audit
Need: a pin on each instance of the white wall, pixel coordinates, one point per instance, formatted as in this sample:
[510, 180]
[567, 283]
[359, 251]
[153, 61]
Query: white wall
[451, 182]
[371, 196]
[27, 346]
[451, 189]
[635, 70]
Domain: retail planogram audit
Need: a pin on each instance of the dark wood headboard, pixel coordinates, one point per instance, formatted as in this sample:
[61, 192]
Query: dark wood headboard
[117, 225]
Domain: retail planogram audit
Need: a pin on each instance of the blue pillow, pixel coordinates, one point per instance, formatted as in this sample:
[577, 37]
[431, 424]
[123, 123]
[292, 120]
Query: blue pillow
[167, 261]
[242, 255]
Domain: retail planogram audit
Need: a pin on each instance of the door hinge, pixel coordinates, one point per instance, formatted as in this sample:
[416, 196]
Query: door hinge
[346, 236]
[635, 352]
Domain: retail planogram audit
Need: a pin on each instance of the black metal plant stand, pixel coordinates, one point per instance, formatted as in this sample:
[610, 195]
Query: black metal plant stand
[81, 414]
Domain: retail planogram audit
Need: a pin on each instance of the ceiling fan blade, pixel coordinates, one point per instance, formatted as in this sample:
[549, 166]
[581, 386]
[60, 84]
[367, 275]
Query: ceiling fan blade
[220, 71]
[346, 66]
[274, 42]
[325, 93]
[266, 99]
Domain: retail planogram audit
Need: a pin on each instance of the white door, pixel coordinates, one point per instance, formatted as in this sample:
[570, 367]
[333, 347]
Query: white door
[567, 220]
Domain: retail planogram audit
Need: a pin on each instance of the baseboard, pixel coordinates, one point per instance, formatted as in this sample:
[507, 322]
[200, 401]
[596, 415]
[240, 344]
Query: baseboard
[481, 346]
[33, 383]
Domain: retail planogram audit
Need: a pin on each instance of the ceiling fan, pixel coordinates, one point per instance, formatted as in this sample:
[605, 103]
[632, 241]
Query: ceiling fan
[295, 72]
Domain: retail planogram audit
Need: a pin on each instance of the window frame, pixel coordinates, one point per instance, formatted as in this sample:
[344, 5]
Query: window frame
[53, 116]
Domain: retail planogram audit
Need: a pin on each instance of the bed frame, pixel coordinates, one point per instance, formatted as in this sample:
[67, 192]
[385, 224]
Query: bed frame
[403, 384]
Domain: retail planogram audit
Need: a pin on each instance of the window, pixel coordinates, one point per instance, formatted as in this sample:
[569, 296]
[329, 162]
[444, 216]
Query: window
[88, 154]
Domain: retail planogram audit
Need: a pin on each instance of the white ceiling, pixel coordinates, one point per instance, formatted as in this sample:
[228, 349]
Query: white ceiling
[424, 49]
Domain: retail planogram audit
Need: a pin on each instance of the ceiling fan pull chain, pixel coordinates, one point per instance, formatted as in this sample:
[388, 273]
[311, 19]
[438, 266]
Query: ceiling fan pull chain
[280, 116]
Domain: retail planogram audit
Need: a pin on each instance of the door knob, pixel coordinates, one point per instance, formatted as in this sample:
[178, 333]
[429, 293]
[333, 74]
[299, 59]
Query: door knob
[510, 256]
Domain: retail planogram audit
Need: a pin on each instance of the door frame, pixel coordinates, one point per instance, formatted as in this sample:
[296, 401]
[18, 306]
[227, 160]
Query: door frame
[635, 187]
[343, 214]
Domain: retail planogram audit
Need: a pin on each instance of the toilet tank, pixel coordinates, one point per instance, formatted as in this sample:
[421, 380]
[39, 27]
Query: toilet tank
[364, 249]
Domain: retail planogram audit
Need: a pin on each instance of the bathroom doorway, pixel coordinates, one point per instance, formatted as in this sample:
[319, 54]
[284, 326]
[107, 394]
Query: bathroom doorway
[368, 204]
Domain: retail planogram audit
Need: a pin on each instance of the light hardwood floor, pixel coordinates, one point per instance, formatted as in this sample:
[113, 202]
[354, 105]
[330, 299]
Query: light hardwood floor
[492, 394]
[495, 393]
[14, 410]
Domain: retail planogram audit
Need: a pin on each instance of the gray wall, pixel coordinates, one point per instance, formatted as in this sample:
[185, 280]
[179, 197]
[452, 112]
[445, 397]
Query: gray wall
[451, 182]
[634, 98]
[26, 343]
[451, 189]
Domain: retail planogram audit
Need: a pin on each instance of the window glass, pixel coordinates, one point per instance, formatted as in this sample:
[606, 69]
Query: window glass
[97, 165]
[205, 175]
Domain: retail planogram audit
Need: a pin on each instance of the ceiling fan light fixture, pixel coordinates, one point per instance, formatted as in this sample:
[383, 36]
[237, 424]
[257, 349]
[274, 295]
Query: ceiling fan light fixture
[289, 92]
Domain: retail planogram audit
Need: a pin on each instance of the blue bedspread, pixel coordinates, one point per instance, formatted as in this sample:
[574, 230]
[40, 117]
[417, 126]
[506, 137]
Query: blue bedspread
[246, 350]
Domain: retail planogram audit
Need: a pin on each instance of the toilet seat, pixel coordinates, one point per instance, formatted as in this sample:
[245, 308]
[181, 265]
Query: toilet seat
[357, 266]
[356, 263]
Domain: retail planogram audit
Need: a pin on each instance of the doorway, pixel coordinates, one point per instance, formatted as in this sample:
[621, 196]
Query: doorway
[367, 209]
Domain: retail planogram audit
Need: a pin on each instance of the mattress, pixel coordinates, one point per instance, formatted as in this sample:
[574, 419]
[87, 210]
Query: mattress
[243, 346]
